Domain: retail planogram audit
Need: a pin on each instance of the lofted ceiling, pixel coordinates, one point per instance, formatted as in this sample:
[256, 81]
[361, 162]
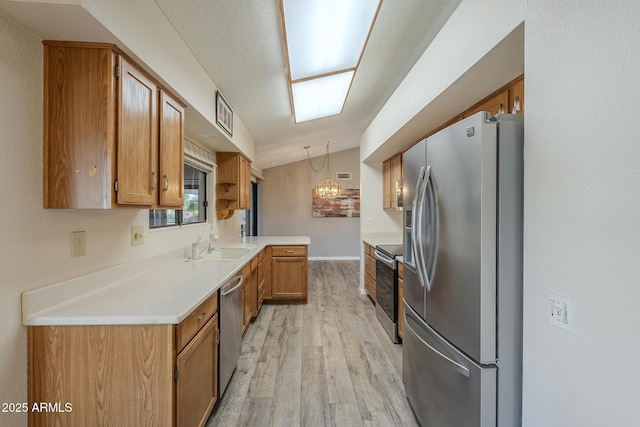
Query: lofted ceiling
[239, 44]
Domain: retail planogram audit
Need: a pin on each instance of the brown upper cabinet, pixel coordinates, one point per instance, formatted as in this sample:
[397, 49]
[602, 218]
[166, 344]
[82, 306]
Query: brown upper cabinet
[509, 99]
[112, 136]
[497, 104]
[391, 174]
[233, 185]
[171, 152]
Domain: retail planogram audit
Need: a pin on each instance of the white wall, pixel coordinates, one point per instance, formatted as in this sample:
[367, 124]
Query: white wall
[582, 212]
[582, 201]
[143, 29]
[286, 205]
[34, 242]
[459, 51]
[476, 52]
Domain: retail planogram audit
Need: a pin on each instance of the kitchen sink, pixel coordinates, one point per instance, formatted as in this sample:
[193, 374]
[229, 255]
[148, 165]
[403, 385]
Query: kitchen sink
[226, 254]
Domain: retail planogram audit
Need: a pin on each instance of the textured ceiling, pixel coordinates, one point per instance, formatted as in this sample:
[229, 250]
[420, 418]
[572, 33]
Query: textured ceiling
[239, 44]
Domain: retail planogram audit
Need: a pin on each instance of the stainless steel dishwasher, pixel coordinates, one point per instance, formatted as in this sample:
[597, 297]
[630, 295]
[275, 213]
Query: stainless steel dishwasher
[230, 329]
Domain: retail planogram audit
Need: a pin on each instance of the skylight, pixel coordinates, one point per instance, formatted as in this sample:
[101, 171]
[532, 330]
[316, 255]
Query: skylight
[324, 41]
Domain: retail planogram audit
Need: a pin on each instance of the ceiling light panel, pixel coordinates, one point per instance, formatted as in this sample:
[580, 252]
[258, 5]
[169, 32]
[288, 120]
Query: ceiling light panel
[325, 36]
[320, 97]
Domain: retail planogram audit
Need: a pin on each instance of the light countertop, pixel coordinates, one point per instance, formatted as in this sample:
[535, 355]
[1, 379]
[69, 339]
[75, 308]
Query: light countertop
[375, 239]
[158, 290]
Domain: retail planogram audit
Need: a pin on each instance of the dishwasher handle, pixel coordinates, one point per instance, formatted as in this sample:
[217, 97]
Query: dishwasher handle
[238, 285]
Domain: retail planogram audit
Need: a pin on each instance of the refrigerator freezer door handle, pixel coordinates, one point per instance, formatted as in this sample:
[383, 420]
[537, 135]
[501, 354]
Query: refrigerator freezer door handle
[458, 367]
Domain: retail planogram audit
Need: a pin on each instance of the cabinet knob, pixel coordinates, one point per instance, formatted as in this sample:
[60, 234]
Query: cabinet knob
[166, 183]
[202, 316]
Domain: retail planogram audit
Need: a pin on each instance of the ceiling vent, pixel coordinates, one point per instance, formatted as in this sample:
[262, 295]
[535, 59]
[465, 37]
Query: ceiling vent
[343, 176]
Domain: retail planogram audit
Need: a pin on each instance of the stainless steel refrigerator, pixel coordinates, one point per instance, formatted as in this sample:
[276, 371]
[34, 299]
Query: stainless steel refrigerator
[462, 345]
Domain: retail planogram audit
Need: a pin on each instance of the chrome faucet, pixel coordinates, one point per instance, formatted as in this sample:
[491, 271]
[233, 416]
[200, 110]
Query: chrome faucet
[197, 249]
[212, 238]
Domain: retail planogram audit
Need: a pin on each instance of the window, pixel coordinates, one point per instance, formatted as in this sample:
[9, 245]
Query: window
[194, 209]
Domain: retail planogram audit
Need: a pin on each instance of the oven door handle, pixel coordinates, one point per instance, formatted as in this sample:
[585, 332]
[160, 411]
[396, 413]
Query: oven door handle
[389, 262]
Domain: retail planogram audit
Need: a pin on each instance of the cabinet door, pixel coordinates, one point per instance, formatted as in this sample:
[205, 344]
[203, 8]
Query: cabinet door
[171, 152]
[137, 137]
[396, 175]
[386, 184]
[370, 272]
[197, 384]
[244, 199]
[289, 277]
[261, 281]
[253, 293]
[79, 131]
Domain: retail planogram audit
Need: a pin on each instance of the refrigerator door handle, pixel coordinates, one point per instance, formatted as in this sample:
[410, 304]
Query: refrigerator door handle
[433, 229]
[415, 221]
[458, 367]
[421, 263]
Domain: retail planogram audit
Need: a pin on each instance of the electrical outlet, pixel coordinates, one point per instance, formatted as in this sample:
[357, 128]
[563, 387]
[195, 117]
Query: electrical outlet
[560, 311]
[137, 235]
[78, 244]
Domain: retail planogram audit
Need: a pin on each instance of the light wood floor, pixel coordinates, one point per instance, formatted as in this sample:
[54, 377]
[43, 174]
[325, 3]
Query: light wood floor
[326, 363]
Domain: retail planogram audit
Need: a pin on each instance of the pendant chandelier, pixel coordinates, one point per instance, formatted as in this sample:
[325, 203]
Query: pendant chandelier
[326, 189]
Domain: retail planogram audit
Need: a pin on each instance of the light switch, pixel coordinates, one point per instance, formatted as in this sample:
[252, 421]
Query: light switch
[560, 311]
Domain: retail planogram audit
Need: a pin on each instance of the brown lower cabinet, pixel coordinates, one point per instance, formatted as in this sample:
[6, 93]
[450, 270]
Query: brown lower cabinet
[121, 375]
[249, 293]
[159, 375]
[289, 282]
[370, 272]
[197, 377]
[262, 277]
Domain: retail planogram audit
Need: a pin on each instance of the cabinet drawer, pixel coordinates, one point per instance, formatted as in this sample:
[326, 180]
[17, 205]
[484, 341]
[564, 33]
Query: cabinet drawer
[370, 286]
[289, 251]
[246, 271]
[261, 256]
[190, 326]
[368, 249]
[254, 263]
[370, 266]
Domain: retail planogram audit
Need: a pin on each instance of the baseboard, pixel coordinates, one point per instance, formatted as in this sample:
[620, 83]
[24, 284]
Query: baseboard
[334, 258]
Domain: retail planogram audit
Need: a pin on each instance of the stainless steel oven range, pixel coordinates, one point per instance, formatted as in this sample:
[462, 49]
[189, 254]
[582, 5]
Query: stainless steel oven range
[387, 288]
